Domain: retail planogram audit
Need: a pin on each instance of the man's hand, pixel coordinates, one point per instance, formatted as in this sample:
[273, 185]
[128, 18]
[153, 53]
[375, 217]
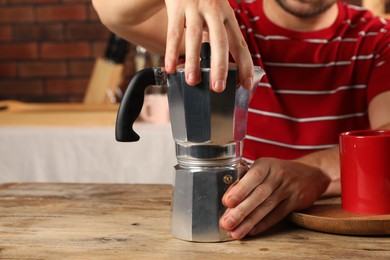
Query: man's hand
[190, 20]
[268, 192]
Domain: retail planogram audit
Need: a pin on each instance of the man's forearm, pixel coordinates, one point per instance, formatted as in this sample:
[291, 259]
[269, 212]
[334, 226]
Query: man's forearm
[141, 22]
[125, 12]
[329, 162]
[384, 127]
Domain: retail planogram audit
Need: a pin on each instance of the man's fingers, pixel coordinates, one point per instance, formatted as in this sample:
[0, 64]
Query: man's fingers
[218, 19]
[256, 205]
[276, 215]
[219, 51]
[270, 211]
[240, 53]
[194, 34]
[175, 33]
[253, 178]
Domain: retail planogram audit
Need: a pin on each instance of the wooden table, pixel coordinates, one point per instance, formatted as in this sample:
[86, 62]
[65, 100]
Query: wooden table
[123, 221]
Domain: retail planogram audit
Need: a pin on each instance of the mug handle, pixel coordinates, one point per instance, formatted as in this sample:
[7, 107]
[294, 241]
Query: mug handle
[131, 105]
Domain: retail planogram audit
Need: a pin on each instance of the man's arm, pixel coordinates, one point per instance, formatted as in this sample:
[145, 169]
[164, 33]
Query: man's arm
[379, 111]
[328, 160]
[165, 27]
[140, 22]
[273, 188]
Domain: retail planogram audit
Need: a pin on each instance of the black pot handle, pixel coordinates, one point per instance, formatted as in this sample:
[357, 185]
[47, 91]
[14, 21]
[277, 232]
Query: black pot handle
[131, 105]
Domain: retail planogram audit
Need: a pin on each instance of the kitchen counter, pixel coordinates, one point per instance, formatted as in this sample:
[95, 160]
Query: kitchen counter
[55, 142]
[132, 221]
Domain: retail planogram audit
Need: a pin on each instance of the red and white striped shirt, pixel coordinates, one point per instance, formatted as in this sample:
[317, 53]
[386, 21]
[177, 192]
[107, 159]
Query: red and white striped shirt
[317, 85]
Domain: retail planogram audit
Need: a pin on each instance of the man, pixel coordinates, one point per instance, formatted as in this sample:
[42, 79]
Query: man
[326, 64]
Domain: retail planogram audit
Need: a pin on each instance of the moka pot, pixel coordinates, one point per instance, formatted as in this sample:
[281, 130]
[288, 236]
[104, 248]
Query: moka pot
[208, 129]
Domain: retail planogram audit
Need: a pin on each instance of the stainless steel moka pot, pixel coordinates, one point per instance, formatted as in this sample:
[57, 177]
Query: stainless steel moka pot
[208, 129]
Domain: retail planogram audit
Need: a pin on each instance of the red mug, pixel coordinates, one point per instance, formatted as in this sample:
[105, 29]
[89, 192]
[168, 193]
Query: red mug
[365, 171]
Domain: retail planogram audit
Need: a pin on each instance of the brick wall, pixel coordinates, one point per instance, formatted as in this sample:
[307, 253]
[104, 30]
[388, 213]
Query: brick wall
[48, 48]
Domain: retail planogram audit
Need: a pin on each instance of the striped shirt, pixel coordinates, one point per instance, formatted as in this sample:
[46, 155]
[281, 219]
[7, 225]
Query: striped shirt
[317, 84]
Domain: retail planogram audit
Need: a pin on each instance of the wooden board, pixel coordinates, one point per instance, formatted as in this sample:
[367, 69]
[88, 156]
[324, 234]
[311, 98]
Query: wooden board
[331, 218]
[105, 80]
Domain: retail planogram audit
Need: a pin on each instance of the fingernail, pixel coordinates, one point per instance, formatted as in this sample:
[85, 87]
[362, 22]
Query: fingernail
[229, 223]
[237, 234]
[219, 85]
[248, 83]
[169, 67]
[191, 78]
[232, 200]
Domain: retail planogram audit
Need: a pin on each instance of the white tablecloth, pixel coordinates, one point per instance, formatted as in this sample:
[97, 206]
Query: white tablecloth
[86, 155]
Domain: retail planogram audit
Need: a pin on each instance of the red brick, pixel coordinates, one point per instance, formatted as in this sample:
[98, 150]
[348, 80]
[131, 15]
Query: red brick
[84, 31]
[7, 69]
[42, 69]
[61, 13]
[75, 98]
[34, 1]
[355, 2]
[43, 32]
[66, 86]
[18, 51]
[5, 33]
[21, 87]
[92, 14]
[16, 14]
[77, 1]
[65, 50]
[81, 68]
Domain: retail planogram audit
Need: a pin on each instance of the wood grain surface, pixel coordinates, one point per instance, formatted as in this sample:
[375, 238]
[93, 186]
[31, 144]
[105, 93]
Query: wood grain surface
[15, 113]
[123, 221]
[333, 219]
[18, 106]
